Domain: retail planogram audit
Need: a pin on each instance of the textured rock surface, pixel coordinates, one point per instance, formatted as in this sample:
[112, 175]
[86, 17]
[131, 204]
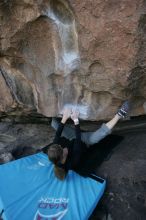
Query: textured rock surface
[86, 53]
[18, 133]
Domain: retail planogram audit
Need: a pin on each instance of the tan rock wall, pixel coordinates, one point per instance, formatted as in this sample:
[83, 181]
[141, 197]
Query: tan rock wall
[89, 54]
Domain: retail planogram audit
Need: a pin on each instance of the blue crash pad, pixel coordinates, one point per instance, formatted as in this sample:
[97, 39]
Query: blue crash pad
[30, 191]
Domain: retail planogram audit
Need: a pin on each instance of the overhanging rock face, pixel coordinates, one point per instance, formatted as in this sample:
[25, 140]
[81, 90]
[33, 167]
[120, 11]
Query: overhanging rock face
[85, 54]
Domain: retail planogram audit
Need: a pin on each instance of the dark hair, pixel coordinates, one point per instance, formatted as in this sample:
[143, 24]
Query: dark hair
[60, 173]
[55, 154]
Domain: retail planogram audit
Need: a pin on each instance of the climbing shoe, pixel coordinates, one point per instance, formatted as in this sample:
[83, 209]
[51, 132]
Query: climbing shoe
[124, 109]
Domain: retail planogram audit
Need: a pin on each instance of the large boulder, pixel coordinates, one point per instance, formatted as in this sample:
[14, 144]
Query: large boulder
[86, 54]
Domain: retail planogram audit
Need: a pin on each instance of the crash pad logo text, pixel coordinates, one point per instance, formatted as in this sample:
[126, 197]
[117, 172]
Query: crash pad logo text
[51, 208]
[53, 203]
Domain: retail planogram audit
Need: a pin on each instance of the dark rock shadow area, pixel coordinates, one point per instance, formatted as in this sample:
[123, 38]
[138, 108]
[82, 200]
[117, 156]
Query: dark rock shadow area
[125, 172]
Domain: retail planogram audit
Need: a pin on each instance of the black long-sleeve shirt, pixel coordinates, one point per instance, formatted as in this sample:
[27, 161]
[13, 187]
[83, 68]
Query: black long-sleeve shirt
[75, 148]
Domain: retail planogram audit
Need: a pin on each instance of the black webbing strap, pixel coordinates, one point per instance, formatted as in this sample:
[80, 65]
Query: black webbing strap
[96, 178]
